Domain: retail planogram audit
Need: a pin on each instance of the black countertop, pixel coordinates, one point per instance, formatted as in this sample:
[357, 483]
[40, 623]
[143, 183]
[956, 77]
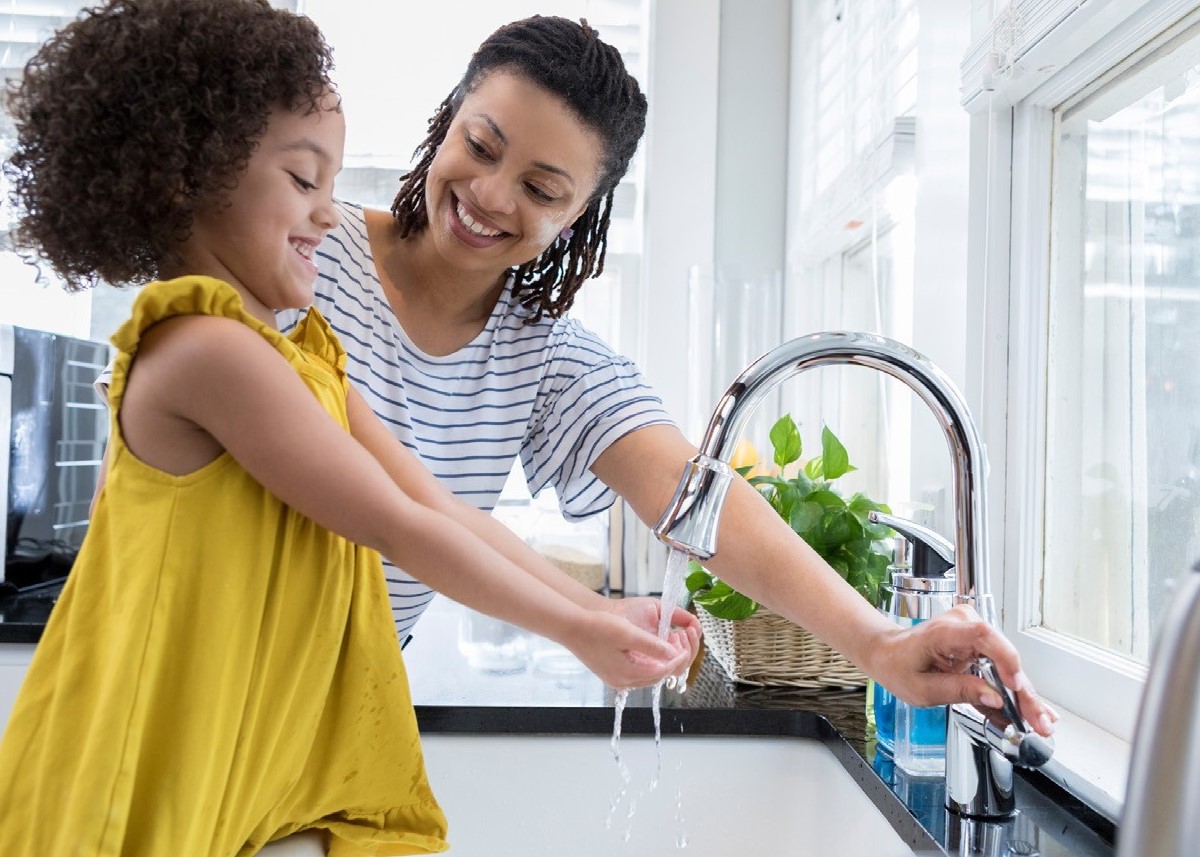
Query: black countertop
[23, 613]
[471, 673]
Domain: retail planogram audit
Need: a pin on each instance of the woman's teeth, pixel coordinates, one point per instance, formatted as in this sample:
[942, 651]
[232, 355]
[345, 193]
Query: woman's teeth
[473, 225]
[303, 248]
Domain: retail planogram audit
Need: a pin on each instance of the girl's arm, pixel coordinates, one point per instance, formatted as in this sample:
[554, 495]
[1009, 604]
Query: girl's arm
[200, 379]
[420, 484]
[760, 556]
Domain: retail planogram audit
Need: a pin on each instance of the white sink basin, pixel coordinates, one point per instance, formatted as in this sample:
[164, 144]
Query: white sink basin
[717, 796]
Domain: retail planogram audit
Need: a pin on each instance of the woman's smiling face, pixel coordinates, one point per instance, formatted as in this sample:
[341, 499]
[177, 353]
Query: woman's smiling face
[516, 167]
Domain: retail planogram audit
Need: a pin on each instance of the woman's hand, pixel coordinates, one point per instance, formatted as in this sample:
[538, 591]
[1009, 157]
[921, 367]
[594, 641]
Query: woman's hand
[929, 665]
[626, 656]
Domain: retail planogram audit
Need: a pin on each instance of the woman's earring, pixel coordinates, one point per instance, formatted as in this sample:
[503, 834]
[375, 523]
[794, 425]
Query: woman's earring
[566, 233]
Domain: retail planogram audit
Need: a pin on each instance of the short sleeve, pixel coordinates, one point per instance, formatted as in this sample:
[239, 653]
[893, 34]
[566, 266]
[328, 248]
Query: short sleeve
[590, 398]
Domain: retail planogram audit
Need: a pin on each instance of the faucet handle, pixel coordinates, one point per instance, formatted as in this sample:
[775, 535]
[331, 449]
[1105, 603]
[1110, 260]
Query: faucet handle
[1020, 743]
[985, 668]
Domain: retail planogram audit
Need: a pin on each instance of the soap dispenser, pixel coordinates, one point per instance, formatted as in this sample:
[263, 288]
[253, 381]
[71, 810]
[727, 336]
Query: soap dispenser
[922, 586]
[882, 702]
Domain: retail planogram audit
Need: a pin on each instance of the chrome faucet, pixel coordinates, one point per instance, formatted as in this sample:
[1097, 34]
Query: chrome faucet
[1160, 816]
[979, 757]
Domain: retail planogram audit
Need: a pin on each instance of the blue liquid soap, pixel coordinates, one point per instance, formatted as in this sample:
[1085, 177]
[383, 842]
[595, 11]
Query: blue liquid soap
[920, 739]
[885, 718]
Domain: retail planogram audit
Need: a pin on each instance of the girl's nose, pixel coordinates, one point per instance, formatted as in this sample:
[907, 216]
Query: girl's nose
[493, 193]
[326, 215]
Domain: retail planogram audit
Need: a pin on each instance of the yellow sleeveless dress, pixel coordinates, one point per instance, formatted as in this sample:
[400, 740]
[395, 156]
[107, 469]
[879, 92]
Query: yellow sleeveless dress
[220, 671]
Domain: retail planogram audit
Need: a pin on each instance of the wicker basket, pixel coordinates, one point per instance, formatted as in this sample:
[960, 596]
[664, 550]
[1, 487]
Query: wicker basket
[767, 649]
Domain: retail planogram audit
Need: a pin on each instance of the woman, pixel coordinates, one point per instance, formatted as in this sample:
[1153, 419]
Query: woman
[451, 310]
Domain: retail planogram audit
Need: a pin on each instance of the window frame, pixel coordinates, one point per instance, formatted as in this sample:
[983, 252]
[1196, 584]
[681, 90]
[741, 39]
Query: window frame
[1102, 687]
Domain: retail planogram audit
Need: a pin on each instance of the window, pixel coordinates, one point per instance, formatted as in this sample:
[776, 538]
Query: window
[27, 302]
[851, 222]
[1123, 396]
[1096, 199]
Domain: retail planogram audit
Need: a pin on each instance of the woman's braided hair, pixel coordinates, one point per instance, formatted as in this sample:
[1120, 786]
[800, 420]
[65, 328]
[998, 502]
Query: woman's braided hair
[568, 60]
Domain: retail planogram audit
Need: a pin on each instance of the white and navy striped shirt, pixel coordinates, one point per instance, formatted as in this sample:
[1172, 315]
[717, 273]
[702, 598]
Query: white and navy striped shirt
[550, 392]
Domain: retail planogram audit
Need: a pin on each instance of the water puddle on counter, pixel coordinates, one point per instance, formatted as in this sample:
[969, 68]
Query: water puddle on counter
[672, 592]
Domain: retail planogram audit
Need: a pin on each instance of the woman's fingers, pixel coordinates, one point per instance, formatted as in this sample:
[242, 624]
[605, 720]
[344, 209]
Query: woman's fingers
[959, 638]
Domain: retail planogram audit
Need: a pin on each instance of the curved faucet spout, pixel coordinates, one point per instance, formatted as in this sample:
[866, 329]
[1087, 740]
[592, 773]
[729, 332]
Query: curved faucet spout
[690, 521]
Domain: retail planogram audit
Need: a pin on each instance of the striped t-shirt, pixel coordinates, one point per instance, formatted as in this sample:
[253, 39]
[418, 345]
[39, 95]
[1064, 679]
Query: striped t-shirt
[550, 392]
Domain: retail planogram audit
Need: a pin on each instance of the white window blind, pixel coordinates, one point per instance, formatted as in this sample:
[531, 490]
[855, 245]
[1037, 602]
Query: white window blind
[1031, 41]
[857, 68]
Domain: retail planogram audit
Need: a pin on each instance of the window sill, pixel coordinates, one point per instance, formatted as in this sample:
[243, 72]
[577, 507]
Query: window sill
[1090, 763]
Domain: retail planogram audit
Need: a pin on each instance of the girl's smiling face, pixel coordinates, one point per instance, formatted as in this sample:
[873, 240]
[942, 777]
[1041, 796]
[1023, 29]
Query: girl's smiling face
[516, 167]
[261, 238]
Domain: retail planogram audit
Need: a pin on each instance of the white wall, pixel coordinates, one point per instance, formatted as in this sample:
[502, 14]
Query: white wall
[681, 165]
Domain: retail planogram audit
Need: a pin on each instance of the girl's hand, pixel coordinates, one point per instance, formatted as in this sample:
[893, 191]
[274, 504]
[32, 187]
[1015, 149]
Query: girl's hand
[645, 612]
[625, 656]
[929, 665]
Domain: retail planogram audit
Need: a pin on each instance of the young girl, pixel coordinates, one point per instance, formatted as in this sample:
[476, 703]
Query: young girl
[221, 670]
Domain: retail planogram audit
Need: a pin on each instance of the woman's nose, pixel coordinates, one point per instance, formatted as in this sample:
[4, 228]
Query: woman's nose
[493, 193]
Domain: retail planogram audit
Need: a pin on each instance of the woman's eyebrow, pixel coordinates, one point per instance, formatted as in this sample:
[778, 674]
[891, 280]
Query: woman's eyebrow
[541, 165]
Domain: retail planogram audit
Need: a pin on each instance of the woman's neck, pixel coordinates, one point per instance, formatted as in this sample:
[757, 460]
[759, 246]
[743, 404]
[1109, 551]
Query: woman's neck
[447, 307]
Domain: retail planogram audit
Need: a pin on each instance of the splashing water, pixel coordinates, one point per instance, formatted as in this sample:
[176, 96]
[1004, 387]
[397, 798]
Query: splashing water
[619, 709]
[681, 840]
[672, 594]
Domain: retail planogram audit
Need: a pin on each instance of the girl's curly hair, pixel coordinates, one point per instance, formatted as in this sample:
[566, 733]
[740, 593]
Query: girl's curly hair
[138, 113]
[568, 59]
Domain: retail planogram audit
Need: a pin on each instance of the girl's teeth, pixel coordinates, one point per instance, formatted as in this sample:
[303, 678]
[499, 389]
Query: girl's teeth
[473, 225]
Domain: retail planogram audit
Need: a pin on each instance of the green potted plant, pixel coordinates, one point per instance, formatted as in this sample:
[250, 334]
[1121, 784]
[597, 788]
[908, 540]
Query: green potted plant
[755, 645]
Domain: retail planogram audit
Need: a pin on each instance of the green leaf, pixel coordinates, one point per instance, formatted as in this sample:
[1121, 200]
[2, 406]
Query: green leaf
[827, 498]
[724, 602]
[744, 471]
[862, 506]
[785, 438]
[784, 500]
[698, 580]
[834, 455]
[837, 528]
[859, 550]
[776, 481]
[815, 468]
[805, 517]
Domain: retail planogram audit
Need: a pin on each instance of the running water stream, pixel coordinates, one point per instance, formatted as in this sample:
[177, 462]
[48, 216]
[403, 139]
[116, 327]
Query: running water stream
[672, 594]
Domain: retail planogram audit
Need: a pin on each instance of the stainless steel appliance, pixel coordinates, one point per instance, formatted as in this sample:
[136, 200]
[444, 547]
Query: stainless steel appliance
[53, 427]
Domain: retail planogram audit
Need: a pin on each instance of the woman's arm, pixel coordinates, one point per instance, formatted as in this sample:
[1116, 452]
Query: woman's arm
[760, 556]
[219, 377]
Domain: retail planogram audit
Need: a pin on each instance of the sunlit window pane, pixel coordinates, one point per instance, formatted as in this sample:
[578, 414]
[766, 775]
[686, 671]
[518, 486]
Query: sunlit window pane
[1123, 404]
